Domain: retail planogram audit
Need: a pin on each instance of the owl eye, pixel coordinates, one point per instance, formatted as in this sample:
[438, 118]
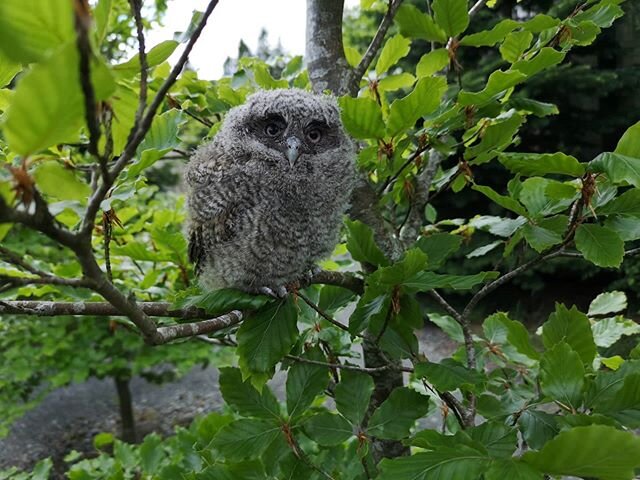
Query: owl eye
[314, 135]
[272, 129]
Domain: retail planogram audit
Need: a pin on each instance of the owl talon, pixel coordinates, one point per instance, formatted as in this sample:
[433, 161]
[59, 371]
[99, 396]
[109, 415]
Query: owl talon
[279, 292]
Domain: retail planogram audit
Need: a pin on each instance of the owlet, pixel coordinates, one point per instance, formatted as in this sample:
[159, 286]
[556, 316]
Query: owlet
[266, 197]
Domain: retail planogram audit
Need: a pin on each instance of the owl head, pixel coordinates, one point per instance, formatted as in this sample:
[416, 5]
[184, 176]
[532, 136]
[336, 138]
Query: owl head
[286, 130]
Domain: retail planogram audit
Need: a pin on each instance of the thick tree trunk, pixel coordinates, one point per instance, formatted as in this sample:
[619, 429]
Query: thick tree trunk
[328, 70]
[327, 65]
[126, 410]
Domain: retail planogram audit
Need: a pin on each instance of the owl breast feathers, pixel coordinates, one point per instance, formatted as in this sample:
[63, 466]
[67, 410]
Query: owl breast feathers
[266, 197]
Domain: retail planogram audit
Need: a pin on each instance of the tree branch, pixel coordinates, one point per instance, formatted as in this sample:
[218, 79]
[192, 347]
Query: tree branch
[339, 279]
[98, 309]
[136, 6]
[491, 286]
[423, 186]
[358, 72]
[322, 313]
[476, 7]
[82, 25]
[355, 368]
[445, 305]
[194, 329]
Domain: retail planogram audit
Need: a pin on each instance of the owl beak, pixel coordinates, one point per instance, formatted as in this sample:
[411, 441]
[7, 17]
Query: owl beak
[293, 150]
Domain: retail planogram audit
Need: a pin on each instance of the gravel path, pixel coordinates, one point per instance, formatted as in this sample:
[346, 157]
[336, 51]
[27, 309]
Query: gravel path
[70, 417]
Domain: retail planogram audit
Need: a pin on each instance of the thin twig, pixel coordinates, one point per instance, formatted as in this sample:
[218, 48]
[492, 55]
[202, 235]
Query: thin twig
[355, 368]
[445, 305]
[359, 71]
[82, 25]
[136, 6]
[476, 7]
[322, 313]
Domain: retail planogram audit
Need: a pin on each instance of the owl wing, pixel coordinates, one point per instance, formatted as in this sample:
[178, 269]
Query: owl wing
[206, 235]
[211, 206]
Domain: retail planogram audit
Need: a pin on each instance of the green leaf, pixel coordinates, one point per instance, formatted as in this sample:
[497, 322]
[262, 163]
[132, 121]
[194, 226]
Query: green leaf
[627, 228]
[533, 195]
[413, 261]
[305, 382]
[245, 399]
[394, 49]
[603, 14]
[540, 23]
[539, 109]
[497, 84]
[496, 136]
[391, 83]
[31, 29]
[332, 298]
[620, 168]
[497, 438]
[352, 55]
[600, 245]
[267, 335]
[362, 117]
[572, 327]
[628, 145]
[625, 405]
[448, 375]
[8, 70]
[502, 200]
[444, 464]
[328, 429]
[546, 57]
[608, 302]
[513, 470]
[245, 438]
[626, 204]
[432, 62]
[162, 137]
[608, 331]
[103, 439]
[352, 395]
[361, 244]
[102, 15]
[53, 179]
[372, 308]
[538, 427]
[451, 15]
[425, 281]
[592, 451]
[515, 45]
[48, 104]
[488, 38]
[155, 56]
[416, 24]
[397, 414]
[424, 99]
[448, 325]
[151, 453]
[562, 375]
[540, 238]
[224, 300]
[538, 164]
[438, 247]
[500, 329]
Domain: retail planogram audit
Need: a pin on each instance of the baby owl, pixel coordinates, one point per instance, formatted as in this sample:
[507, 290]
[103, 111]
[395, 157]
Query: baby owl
[266, 197]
